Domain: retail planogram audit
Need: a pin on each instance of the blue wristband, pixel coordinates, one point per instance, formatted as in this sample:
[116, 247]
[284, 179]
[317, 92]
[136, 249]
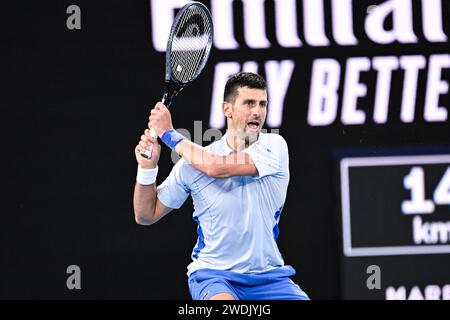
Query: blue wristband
[171, 138]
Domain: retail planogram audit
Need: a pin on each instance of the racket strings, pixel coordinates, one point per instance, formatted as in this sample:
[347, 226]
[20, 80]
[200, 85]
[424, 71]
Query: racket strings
[191, 44]
[201, 53]
[190, 53]
[198, 54]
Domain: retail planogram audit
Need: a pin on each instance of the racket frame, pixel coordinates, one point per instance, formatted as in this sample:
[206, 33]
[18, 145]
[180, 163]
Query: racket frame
[172, 86]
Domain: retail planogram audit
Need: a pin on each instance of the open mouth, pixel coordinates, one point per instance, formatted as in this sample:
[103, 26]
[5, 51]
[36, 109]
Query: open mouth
[254, 125]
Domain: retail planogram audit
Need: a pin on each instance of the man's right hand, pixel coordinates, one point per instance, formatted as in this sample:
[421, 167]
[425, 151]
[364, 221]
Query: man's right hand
[144, 144]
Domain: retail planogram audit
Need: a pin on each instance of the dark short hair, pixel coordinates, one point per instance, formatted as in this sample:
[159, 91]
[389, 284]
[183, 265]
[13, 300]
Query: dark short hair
[242, 79]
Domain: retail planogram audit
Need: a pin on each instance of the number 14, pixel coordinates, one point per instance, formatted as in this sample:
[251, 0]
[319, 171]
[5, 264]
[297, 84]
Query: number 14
[415, 182]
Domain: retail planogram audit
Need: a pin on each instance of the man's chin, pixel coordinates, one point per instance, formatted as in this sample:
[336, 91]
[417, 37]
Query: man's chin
[251, 135]
[247, 132]
[248, 136]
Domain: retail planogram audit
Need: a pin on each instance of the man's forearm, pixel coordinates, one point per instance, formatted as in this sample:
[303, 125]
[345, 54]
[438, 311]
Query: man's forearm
[236, 164]
[144, 202]
[197, 156]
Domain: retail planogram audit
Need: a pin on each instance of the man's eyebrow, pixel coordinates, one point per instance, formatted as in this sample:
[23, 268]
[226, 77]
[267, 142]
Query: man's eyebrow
[254, 100]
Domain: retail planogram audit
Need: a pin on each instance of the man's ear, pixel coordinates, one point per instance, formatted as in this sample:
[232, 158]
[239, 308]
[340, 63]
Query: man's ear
[227, 109]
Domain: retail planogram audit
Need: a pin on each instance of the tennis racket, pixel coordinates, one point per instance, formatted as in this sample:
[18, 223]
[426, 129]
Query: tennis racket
[188, 49]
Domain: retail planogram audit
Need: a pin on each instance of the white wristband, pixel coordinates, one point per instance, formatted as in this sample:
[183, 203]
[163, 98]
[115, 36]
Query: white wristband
[146, 176]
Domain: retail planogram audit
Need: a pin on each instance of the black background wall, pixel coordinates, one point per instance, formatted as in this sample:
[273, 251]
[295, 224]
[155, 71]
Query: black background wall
[73, 106]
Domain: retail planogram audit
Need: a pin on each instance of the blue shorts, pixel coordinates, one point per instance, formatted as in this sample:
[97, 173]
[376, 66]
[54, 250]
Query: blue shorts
[269, 285]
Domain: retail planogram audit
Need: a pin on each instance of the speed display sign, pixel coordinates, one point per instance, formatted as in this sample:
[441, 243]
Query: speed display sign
[395, 214]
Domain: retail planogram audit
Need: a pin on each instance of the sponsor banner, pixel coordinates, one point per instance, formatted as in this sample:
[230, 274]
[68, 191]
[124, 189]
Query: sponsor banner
[355, 62]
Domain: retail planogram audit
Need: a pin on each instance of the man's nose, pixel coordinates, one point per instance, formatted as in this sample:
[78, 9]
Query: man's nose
[257, 111]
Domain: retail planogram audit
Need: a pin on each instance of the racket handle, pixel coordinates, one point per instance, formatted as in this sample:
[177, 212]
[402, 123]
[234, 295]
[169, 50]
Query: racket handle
[166, 99]
[148, 153]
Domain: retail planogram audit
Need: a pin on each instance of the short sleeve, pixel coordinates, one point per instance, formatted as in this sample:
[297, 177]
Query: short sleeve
[270, 156]
[173, 192]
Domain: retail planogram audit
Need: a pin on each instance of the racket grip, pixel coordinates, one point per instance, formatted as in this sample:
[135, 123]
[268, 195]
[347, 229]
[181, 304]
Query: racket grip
[166, 99]
[148, 153]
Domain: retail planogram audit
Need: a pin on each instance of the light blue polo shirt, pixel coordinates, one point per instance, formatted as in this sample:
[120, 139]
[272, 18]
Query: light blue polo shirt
[237, 217]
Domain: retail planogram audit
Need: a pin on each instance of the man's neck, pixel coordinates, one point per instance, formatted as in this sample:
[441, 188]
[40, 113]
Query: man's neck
[239, 141]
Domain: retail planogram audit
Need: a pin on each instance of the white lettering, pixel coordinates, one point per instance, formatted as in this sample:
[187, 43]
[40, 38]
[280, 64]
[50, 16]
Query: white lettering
[402, 29]
[441, 195]
[432, 21]
[314, 24]
[430, 232]
[343, 22]
[323, 97]
[417, 204]
[446, 292]
[415, 294]
[435, 87]
[432, 292]
[222, 15]
[163, 13]
[286, 23]
[384, 66]
[250, 66]
[354, 89]
[396, 294]
[254, 24]
[411, 65]
[278, 76]
[313, 14]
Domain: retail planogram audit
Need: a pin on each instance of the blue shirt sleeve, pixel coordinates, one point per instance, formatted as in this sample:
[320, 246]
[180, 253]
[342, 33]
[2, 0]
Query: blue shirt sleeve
[173, 192]
[270, 156]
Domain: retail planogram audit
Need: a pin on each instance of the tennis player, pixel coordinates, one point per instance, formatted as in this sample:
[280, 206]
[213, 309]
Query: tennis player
[238, 185]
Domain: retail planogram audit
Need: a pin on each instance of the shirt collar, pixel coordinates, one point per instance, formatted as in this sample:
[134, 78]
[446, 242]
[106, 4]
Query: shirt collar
[225, 147]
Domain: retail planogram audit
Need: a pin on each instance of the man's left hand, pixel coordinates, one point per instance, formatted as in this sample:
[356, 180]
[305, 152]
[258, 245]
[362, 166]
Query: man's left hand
[160, 119]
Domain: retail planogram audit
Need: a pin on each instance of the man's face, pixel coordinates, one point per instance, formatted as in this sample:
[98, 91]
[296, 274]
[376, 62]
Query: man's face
[248, 112]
